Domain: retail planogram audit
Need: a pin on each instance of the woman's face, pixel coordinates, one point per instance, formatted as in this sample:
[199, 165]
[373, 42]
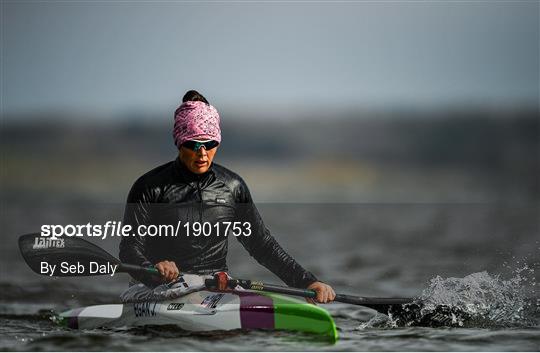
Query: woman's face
[198, 161]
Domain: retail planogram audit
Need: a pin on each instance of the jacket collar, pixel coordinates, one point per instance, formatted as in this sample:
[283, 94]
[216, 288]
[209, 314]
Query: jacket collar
[190, 177]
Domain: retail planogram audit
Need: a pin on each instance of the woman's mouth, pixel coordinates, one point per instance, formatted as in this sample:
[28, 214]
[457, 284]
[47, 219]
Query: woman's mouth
[200, 163]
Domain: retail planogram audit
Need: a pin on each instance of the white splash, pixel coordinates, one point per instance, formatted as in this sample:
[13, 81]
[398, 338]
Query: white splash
[482, 299]
[477, 300]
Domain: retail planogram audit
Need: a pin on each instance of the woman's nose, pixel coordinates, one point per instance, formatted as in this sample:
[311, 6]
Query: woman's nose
[202, 151]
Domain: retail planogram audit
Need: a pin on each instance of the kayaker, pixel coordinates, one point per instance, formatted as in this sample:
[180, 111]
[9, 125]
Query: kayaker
[194, 189]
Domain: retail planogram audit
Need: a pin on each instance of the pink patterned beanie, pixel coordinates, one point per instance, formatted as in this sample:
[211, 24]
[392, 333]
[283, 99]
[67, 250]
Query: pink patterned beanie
[195, 120]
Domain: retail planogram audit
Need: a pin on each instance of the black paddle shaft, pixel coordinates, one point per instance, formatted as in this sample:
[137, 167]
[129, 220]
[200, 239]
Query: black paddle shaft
[382, 305]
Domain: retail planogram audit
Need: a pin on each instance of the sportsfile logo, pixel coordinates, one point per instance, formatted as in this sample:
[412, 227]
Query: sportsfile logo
[47, 243]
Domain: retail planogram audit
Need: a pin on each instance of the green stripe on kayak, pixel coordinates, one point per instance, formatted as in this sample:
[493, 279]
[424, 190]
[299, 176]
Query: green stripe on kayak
[296, 315]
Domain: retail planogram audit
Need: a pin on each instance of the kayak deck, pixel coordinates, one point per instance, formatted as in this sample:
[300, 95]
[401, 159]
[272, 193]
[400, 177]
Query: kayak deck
[208, 311]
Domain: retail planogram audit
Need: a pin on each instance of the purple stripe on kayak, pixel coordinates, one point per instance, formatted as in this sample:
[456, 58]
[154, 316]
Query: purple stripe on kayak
[256, 311]
[73, 319]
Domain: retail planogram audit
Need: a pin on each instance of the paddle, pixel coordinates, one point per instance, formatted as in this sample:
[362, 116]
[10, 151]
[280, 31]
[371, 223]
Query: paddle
[383, 305]
[38, 250]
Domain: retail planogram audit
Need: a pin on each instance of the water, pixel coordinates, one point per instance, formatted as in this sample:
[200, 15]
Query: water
[480, 259]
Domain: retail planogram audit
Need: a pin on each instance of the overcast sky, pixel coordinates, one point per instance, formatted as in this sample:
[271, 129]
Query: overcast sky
[114, 57]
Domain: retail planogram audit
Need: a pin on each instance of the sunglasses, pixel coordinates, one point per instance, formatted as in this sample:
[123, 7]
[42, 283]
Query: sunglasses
[196, 145]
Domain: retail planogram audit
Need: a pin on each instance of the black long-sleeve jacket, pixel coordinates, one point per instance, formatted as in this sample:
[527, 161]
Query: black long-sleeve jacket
[171, 193]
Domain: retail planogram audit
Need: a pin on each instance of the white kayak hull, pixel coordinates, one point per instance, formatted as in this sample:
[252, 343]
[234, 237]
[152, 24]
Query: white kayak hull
[209, 311]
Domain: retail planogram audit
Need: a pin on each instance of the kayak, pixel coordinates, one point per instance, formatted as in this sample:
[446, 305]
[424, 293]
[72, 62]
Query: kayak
[202, 310]
[209, 310]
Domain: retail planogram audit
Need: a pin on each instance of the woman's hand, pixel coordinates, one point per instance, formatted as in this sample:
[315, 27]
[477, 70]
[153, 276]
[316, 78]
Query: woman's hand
[325, 293]
[168, 270]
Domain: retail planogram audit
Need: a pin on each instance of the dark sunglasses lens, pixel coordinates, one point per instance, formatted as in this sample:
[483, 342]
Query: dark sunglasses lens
[210, 144]
[190, 145]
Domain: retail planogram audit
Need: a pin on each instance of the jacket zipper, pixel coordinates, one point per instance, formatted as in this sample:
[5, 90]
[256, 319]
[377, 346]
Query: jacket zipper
[201, 203]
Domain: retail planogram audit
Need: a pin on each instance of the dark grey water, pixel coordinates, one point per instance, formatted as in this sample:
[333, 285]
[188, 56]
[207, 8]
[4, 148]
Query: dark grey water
[480, 257]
